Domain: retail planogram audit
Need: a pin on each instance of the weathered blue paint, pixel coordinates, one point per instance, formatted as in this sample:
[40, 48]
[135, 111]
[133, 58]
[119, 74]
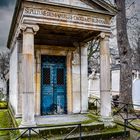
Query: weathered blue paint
[53, 85]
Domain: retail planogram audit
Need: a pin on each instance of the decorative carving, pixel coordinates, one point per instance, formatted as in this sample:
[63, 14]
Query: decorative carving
[105, 36]
[33, 28]
[102, 35]
[76, 57]
[76, 18]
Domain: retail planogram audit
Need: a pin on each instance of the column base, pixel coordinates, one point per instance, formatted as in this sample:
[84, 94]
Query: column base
[84, 112]
[18, 115]
[108, 122]
[28, 124]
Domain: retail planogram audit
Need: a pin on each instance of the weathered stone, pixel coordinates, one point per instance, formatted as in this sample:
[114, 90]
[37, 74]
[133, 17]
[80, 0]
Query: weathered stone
[62, 31]
[105, 82]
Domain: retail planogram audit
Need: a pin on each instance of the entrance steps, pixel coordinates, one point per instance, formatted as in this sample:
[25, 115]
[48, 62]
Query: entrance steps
[57, 127]
[92, 131]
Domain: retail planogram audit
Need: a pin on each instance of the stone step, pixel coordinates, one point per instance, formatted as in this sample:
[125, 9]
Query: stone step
[108, 135]
[92, 131]
[118, 135]
[92, 127]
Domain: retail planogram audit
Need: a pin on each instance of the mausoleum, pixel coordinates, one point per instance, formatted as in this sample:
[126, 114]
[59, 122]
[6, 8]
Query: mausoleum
[48, 62]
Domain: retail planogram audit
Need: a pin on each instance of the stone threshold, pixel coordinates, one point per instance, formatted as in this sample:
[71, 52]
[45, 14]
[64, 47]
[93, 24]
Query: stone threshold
[61, 119]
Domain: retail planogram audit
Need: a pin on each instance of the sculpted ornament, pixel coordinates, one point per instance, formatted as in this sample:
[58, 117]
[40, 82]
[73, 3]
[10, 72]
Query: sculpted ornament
[34, 28]
[76, 57]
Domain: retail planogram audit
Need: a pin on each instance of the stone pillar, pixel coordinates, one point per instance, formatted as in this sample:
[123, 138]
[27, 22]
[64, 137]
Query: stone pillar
[28, 103]
[38, 82]
[76, 81]
[69, 83]
[105, 80]
[84, 79]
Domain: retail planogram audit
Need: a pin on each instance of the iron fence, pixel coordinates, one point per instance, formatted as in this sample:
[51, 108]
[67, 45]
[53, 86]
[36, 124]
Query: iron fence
[125, 113]
[28, 131]
[95, 103]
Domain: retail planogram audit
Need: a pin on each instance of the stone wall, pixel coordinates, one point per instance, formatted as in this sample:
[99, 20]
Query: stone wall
[20, 83]
[13, 96]
[15, 89]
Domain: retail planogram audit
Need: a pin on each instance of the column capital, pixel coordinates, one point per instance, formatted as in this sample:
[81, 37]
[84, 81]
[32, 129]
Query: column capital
[31, 28]
[103, 35]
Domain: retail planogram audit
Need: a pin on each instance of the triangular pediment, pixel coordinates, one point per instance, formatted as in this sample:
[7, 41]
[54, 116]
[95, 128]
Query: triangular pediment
[77, 3]
[95, 5]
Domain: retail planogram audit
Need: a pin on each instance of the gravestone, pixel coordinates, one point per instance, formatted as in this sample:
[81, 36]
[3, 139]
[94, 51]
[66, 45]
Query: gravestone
[94, 84]
[136, 93]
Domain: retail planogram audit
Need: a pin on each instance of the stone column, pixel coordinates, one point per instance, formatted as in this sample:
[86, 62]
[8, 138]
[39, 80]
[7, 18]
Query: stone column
[28, 104]
[69, 83]
[76, 81]
[84, 79]
[105, 82]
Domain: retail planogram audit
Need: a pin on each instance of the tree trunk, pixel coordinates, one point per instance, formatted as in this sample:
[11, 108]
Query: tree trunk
[125, 54]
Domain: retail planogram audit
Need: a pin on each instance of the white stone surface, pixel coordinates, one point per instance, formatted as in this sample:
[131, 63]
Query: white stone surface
[28, 70]
[78, 3]
[13, 89]
[84, 80]
[136, 93]
[61, 119]
[28, 110]
[115, 82]
[20, 82]
[105, 82]
[94, 86]
[76, 88]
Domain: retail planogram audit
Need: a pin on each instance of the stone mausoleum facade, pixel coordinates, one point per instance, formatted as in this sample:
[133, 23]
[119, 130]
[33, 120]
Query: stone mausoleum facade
[48, 63]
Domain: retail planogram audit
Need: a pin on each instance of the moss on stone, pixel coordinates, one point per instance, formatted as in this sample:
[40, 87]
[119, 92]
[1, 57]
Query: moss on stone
[4, 121]
[18, 121]
[3, 105]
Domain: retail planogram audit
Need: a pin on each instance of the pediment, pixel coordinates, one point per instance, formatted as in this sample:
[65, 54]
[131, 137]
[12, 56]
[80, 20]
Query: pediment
[92, 5]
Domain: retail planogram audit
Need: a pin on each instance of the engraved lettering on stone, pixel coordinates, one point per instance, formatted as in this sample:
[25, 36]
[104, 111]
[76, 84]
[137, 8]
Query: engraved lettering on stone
[64, 16]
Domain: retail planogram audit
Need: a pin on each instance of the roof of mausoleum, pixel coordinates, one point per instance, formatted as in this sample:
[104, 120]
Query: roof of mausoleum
[100, 6]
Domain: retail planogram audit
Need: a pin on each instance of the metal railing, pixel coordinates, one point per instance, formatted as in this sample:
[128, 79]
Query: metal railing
[96, 103]
[28, 131]
[125, 111]
[127, 114]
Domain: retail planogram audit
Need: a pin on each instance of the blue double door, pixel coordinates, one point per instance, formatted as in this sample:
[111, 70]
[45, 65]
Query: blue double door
[53, 85]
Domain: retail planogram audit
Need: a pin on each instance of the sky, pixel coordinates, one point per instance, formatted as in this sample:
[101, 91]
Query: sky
[6, 13]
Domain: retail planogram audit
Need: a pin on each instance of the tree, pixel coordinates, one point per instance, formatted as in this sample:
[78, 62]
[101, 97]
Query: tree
[125, 54]
[4, 65]
[93, 55]
[4, 69]
[133, 26]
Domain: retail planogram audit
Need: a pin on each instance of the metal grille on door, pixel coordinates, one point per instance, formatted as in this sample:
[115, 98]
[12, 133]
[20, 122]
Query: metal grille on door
[53, 86]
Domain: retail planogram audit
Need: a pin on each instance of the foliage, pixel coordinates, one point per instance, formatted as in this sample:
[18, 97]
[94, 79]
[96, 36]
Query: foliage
[93, 54]
[4, 65]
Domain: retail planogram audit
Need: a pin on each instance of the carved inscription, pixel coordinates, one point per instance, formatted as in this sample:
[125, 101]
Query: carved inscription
[64, 16]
